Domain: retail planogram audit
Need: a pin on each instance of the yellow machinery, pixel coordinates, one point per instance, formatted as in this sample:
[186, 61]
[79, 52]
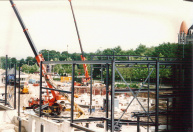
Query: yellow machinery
[24, 88]
[65, 79]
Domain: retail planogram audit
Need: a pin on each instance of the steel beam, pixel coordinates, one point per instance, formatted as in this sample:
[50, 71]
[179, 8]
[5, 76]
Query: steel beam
[81, 127]
[148, 98]
[77, 62]
[130, 56]
[89, 119]
[112, 95]
[40, 112]
[19, 91]
[143, 114]
[144, 90]
[72, 95]
[157, 98]
[138, 124]
[135, 62]
[145, 62]
[15, 87]
[6, 79]
[124, 122]
[167, 114]
[63, 91]
[107, 95]
[101, 73]
[19, 124]
[42, 128]
[91, 76]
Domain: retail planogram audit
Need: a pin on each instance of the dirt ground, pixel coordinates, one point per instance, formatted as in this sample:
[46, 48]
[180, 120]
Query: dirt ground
[97, 102]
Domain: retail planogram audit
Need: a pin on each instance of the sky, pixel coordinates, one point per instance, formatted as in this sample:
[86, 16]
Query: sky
[102, 24]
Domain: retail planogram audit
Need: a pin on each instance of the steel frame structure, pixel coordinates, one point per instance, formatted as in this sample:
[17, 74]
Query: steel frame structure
[15, 97]
[157, 61]
[6, 78]
[110, 121]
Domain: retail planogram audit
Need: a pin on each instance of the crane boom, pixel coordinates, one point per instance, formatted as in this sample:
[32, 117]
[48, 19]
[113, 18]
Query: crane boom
[82, 55]
[40, 58]
[25, 30]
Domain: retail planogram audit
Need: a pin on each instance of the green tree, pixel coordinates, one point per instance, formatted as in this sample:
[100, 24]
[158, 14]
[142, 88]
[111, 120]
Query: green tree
[44, 53]
[26, 68]
[63, 56]
[22, 61]
[29, 60]
[75, 56]
[140, 50]
[3, 62]
[13, 60]
[149, 51]
[169, 50]
[34, 68]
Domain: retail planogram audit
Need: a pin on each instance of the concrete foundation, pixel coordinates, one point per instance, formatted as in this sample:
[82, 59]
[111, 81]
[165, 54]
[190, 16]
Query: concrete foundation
[33, 124]
[7, 116]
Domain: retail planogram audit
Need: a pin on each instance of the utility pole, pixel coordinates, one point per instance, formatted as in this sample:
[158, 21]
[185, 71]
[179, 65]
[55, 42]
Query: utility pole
[48, 55]
[67, 52]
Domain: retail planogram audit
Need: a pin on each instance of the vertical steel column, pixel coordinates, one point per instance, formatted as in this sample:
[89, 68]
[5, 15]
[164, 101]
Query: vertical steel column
[6, 79]
[138, 124]
[167, 112]
[42, 128]
[91, 76]
[112, 95]
[107, 94]
[157, 97]
[101, 73]
[72, 94]
[40, 112]
[87, 125]
[91, 89]
[15, 87]
[183, 50]
[19, 124]
[148, 100]
[19, 91]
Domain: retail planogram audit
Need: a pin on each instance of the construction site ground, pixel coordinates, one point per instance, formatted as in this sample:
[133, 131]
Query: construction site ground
[97, 101]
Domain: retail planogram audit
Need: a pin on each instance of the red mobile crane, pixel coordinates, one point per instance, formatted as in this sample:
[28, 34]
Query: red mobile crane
[50, 106]
[87, 78]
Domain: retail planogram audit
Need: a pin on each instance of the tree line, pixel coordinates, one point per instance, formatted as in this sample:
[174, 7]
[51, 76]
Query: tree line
[168, 50]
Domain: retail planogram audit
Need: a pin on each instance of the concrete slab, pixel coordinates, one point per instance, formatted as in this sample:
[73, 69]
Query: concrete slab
[3, 107]
[7, 116]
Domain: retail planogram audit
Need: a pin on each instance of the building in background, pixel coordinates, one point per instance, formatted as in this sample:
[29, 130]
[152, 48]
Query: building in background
[185, 35]
[1, 80]
[10, 74]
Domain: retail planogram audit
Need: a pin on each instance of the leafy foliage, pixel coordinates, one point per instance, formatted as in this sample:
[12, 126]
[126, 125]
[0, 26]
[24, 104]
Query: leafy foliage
[170, 50]
[30, 69]
[132, 85]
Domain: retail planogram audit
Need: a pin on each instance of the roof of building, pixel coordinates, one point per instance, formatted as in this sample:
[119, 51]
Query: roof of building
[190, 29]
[12, 71]
[183, 28]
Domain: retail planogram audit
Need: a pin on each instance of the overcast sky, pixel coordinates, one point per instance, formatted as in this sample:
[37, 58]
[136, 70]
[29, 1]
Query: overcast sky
[102, 24]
